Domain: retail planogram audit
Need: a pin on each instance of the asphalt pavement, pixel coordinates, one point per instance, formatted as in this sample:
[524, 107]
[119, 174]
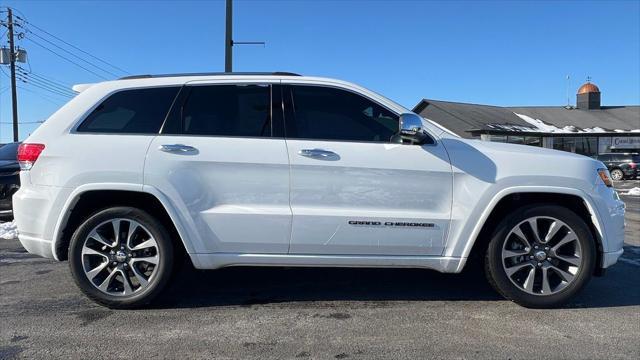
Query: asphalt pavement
[302, 313]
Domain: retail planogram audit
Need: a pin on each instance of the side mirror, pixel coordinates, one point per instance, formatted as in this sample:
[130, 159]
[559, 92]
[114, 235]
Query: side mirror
[411, 129]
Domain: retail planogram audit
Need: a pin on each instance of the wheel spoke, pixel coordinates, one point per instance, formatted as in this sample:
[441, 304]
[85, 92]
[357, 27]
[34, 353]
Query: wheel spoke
[531, 278]
[138, 275]
[513, 253]
[89, 251]
[116, 230]
[553, 230]
[133, 226]
[573, 260]
[565, 240]
[149, 259]
[125, 282]
[104, 286]
[145, 244]
[97, 237]
[563, 274]
[91, 274]
[533, 222]
[546, 288]
[514, 269]
[518, 232]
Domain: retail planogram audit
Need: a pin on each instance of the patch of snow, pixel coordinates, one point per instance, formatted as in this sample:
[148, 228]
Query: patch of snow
[541, 126]
[8, 231]
[633, 192]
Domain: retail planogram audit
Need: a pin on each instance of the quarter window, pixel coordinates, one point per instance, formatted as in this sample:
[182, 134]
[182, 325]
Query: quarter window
[227, 110]
[325, 113]
[139, 111]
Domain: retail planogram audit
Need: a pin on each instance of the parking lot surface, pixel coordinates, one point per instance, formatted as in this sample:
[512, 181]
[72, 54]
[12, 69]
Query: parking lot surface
[262, 313]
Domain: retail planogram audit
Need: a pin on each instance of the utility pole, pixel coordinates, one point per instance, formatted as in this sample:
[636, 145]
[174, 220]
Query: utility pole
[12, 58]
[228, 38]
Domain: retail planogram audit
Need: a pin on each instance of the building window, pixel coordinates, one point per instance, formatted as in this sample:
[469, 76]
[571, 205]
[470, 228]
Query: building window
[584, 145]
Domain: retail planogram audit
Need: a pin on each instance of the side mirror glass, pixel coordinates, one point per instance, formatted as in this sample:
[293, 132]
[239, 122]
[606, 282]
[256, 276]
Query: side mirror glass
[411, 129]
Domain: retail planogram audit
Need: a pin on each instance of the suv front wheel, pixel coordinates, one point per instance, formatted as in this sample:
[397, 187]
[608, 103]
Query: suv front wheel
[540, 256]
[121, 257]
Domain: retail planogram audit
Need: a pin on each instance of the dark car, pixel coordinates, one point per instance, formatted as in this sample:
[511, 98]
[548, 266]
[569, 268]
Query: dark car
[9, 178]
[621, 165]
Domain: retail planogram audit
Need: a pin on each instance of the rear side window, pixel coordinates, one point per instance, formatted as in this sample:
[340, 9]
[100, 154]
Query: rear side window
[225, 110]
[139, 111]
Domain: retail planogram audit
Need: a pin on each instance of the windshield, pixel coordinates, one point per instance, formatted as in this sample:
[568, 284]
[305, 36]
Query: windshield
[9, 151]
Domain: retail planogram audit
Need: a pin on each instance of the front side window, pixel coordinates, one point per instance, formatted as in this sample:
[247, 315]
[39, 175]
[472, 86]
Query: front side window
[138, 111]
[226, 110]
[324, 113]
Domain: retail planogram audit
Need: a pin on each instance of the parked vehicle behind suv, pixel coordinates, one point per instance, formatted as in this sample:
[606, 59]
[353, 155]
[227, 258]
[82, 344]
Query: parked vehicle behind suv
[9, 178]
[621, 165]
[285, 170]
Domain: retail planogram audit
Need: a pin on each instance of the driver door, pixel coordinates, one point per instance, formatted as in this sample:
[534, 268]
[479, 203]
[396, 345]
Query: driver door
[353, 191]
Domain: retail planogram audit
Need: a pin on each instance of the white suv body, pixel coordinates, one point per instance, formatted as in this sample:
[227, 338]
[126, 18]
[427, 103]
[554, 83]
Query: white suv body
[307, 194]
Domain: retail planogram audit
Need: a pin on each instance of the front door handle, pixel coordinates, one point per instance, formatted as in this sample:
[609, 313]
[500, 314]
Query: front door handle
[319, 154]
[177, 148]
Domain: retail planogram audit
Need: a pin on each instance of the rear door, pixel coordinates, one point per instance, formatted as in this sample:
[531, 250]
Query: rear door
[354, 191]
[222, 161]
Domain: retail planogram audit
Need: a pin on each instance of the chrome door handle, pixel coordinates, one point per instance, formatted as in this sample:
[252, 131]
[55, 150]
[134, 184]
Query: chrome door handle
[177, 148]
[319, 154]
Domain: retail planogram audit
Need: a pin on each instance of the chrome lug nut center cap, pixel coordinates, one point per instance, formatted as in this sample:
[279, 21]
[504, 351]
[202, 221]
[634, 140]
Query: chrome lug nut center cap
[540, 255]
[121, 256]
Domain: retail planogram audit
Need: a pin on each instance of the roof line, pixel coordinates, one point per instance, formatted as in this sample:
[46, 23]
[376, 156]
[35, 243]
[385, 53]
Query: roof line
[149, 76]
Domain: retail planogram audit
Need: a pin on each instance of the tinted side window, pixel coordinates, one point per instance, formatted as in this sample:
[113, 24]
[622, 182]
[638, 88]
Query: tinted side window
[139, 111]
[332, 114]
[227, 110]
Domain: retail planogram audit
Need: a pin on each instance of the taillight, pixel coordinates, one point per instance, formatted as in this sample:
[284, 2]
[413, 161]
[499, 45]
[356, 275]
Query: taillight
[633, 165]
[28, 154]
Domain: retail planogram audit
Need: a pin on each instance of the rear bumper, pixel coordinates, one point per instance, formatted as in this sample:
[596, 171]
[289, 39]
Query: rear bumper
[36, 210]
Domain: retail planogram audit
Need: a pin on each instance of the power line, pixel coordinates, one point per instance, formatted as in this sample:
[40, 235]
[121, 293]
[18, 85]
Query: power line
[65, 84]
[73, 46]
[72, 54]
[56, 101]
[44, 87]
[32, 81]
[67, 59]
[34, 78]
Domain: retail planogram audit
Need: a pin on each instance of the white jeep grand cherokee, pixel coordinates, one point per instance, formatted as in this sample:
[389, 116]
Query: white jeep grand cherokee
[285, 170]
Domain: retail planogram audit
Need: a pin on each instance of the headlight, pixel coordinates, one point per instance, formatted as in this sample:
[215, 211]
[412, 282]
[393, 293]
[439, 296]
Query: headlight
[606, 178]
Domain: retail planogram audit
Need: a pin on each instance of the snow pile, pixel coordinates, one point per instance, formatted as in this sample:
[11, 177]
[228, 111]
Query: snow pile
[541, 126]
[9, 231]
[633, 192]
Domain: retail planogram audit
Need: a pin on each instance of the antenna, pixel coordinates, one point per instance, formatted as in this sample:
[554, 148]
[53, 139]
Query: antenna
[588, 79]
[568, 85]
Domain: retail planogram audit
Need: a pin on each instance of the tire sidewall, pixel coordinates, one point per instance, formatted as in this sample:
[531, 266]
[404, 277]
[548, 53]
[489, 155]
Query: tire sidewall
[511, 291]
[162, 272]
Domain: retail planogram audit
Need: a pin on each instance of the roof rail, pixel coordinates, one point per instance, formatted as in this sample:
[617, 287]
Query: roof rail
[276, 73]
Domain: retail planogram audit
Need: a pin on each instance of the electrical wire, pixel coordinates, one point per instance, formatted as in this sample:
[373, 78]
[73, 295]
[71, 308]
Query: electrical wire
[73, 46]
[45, 85]
[56, 101]
[34, 78]
[67, 59]
[72, 54]
[53, 91]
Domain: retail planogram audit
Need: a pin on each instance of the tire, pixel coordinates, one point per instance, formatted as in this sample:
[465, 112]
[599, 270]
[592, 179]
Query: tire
[573, 259]
[94, 246]
[617, 175]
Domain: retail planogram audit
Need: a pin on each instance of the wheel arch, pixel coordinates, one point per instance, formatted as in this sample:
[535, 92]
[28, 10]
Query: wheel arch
[510, 199]
[84, 202]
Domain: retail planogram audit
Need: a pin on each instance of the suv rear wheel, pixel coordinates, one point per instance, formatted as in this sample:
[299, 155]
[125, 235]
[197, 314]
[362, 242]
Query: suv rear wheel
[121, 257]
[540, 256]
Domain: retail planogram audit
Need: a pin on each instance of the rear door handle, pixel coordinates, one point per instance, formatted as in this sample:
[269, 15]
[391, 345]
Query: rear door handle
[319, 154]
[177, 148]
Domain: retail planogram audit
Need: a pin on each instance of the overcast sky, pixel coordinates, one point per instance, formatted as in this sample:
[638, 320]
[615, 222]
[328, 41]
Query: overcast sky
[502, 53]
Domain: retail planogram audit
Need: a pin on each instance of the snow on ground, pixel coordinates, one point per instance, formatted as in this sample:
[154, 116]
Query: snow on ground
[8, 231]
[633, 192]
